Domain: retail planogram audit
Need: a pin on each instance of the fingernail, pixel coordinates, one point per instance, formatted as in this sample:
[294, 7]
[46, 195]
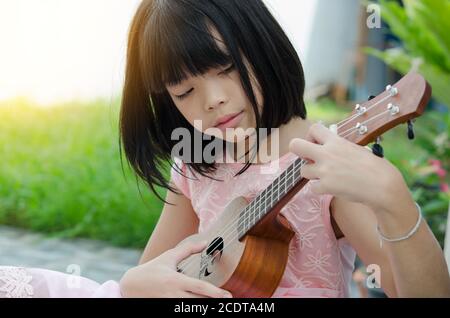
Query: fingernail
[227, 295]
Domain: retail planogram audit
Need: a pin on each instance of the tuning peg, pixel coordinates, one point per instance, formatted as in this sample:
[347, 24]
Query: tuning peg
[410, 130]
[377, 149]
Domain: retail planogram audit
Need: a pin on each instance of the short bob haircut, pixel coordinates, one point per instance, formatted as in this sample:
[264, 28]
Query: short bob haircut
[171, 39]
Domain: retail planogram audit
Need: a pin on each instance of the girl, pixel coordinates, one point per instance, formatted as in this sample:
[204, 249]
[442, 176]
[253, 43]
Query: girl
[228, 64]
[204, 60]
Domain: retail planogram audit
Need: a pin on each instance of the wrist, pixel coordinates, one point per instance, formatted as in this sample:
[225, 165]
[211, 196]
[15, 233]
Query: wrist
[399, 219]
[395, 197]
[404, 237]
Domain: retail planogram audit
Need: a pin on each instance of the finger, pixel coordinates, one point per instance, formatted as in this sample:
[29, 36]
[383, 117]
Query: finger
[310, 171]
[320, 134]
[185, 250]
[200, 287]
[304, 149]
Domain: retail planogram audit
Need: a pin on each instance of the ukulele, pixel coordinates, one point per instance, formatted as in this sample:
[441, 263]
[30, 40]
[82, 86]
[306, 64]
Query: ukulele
[248, 245]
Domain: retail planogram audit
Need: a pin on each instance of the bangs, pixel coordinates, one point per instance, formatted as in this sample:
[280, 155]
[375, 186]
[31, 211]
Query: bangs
[178, 43]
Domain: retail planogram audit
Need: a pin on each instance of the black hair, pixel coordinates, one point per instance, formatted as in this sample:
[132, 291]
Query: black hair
[171, 39]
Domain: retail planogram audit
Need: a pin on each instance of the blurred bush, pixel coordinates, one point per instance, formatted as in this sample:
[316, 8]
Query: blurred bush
[423, 28]
[61, 174]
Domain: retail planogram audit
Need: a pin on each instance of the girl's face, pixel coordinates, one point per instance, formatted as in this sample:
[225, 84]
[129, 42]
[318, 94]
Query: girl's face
[217, 99]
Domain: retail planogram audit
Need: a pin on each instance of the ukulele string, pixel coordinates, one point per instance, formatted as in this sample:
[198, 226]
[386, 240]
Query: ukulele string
[345, 121]
[353, 129]
[229, 229]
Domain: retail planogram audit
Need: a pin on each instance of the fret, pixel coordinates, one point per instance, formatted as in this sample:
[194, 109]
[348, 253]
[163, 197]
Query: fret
[250, 218]
[287, 182]
[293, 176]
[255, 216]
[278, 190]
[254, 209]
[258, 203]
[282, 186]
[270, 196]
[246, 223]
[264, 202]
[260, 215]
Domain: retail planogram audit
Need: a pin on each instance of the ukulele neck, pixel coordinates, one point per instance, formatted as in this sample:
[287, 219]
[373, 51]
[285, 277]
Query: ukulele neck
[264, 202]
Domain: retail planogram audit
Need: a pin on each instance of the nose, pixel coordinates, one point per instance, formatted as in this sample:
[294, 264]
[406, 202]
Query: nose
[215, 96]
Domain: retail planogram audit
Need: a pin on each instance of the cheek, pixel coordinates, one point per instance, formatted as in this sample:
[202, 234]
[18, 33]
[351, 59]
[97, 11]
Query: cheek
[188, 112]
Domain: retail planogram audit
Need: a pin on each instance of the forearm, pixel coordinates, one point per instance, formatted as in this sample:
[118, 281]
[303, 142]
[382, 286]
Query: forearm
[418, 263]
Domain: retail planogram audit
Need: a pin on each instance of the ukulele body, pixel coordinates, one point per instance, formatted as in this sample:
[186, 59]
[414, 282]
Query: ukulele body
[249, 268]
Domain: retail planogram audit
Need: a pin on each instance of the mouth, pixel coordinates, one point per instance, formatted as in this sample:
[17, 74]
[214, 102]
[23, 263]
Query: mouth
[229, 121]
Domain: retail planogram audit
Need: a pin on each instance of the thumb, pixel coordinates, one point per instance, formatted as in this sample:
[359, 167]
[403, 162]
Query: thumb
[185, 250]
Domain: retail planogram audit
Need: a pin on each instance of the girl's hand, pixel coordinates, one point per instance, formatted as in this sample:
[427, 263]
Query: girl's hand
[350, 171]
[159, 278]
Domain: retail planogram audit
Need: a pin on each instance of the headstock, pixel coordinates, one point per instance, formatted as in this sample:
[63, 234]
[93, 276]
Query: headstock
[400, 103]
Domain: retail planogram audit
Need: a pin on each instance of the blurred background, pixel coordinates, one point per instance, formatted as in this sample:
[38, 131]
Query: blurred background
[64, 198]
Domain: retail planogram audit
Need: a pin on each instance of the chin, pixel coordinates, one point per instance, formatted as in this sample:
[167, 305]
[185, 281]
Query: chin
[235, 139]
[232, 138]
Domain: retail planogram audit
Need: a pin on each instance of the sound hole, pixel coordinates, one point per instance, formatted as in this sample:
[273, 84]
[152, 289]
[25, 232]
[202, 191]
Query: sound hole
[213, 254]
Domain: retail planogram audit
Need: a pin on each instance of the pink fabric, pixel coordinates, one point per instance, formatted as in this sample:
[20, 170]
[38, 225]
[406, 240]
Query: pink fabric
[319, 265]
[19, 282]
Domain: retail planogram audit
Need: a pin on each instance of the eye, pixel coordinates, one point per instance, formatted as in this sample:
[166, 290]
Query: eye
[183, 96]
[229, 69]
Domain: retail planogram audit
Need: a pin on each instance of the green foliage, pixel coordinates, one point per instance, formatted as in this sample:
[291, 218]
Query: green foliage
[426, 171]
[61, 174]
[423, 27]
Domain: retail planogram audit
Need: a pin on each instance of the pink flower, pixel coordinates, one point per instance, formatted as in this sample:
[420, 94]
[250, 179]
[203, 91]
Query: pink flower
[441, 172]
[435, 163]
[437, 166]
[444, 187]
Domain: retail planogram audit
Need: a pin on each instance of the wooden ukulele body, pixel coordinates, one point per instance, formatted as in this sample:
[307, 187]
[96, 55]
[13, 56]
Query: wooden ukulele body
[250, 267]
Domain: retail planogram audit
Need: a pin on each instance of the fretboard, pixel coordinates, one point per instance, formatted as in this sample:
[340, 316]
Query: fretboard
[268, 198]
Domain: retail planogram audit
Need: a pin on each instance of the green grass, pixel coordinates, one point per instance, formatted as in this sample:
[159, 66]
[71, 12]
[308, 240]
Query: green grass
[61, 174]
[60, 171]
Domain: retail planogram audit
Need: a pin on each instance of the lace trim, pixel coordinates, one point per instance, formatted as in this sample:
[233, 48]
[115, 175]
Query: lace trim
[15, 282]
